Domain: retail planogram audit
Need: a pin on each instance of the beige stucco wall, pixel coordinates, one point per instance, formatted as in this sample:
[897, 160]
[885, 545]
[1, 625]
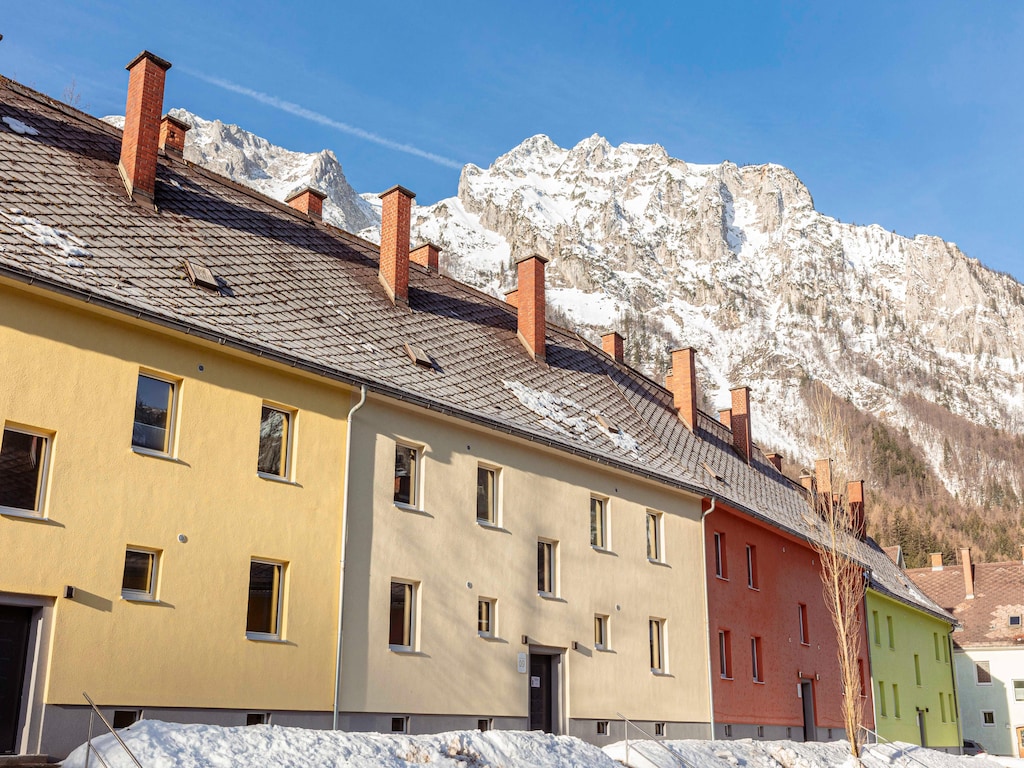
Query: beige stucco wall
[74, 372]
[441, 546]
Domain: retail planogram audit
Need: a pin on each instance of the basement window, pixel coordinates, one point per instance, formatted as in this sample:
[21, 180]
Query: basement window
[418, 356]
[125, 717]
[1014, 621]
[201, 276]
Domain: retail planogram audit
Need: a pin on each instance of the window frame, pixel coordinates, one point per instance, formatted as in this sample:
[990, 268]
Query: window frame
[658, 646]
[891, 629]
[757, 659]
[411, 615]
[551, 571]
[721, 562]
[896, 700]
[171, 442]
[39, 510]
[659, 536]
[277, 634]
[983, 666]
[917, 670]
[876, 634]
[882, 712]
[990, 712]
[602, 638]
[752, 580]
[1018, 689]
[493, 520]
[605, 542]
[805, 637]
[140, 596]
[287, 443]
[415, 484]
[725, 654]
[491, 631]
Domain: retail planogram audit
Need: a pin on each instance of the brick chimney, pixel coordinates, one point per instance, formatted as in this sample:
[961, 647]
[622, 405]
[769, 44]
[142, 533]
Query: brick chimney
[855, 500]
[965, 561]
[741, 439]
[776, 460]
[936, 561]
[807, 481]
[394, 242]
[427, 255]
[512, 297]
[612, 345]
[141, 137]
[308, 200]
[172, 135]
[725, 416]
[531, 304]
[823, 477]
[682, 383]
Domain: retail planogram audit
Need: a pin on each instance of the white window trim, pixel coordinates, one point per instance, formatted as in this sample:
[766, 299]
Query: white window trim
[493, 633]
[607, 644]
[725, 654]
[172, 416]
[278, 636]
[289, 443]
[606, 520]
[414, 617]
[663, 644]
[497, 510]
[42, 492]
[138, 596]
[1013, 688]
[659, 518]
[753, 582]
[417, 485]
[555, 573]
[805, 624]
[721, 567]
[987, 667]
[988, 725]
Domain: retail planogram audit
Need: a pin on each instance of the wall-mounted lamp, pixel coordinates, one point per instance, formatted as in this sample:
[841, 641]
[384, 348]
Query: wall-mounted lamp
[69, 592]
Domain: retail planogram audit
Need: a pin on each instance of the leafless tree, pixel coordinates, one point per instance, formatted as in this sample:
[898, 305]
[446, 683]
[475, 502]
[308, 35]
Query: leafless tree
[837, 509]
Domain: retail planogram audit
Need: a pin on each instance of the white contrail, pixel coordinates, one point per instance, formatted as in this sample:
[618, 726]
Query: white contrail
[316, 117]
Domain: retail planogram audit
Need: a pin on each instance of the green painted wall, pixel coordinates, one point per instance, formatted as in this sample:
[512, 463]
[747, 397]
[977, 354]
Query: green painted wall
[911, 669]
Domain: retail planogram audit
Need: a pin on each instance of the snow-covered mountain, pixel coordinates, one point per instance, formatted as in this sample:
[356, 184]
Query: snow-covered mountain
[736, 262]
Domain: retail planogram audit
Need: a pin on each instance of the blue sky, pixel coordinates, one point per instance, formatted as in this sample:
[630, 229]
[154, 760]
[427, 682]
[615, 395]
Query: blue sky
[904, 114]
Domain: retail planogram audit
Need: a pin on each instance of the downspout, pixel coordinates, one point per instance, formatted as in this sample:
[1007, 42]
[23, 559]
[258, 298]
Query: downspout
[344, 543]
[956, 692]
[707, 612]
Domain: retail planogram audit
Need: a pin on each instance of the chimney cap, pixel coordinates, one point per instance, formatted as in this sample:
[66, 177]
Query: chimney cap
[176, 122]
[683, 349]
[541, 259]
[427, 244]
[311, 190]
[397, 188]
[162, 63]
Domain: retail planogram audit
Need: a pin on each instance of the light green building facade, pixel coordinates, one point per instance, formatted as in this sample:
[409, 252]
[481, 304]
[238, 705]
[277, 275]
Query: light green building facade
[912, 681]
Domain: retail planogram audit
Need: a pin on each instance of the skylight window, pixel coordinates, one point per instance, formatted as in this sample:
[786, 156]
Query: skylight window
[201, 276]
[418, 356]
[607, 424]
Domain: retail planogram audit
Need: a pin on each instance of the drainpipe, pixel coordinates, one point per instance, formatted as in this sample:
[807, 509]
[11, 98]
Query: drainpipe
[707, 613]
[344, 543]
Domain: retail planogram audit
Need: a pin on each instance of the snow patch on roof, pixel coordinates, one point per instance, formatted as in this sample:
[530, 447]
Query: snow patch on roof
[19, 127]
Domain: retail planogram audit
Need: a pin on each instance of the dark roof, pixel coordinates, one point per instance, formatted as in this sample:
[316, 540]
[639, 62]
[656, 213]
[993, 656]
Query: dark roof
[985, 618]
[307, 294]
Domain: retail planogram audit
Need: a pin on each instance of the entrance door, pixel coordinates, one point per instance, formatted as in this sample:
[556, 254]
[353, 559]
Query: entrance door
[807, 694]
[14, 631]
[541, 692]
[1020, 741]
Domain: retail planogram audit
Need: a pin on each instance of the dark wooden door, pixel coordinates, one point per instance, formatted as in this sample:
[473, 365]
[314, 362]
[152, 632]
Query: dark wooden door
[540, 693]
[14, 631]
[807, 693]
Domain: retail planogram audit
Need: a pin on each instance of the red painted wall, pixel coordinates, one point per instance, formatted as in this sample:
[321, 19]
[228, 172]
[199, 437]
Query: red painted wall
[788, 574]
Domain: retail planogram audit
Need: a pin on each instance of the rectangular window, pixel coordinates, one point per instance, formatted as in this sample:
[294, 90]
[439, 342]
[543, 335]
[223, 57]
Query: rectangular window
[938, 654]
[760, 731]
[804, 636]
[485, 618]
[656, 629]
[1014, 620]
[755, 659]
[602, 727]
[983, 673]
[988, 718]
[486, 495]
[264, 617]
[896, 700]
[659, 729]
[877, 632]
[752, 566]
[598, 522]
[399, 724]
[125, 717]
[952, 709]
[860, 677]
[154, 414]
[401, 627]
[892, 637]
[881, 699]
[725, 654]
[942, 707]
[275, 436]
[257, 718]
[406, 460]
[945, 649]
[917, 670]
[23, 459]
[654, 548]
[546, 567]
[485, 724]
[139, 579]
[721, 568]
[1018, 690]
[601, 640]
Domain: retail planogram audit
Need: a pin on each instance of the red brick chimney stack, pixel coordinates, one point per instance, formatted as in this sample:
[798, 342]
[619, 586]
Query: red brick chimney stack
[512, 297]
[141, 137]
[308, 200]
[394, 242]
[531, 304]
[776, 460]
[936, 561]
[823, 477]
[965, 561]
[612, 344]
[741, 439]
[855, 498]
[681, 381]
[172, 135]
[427, 255]
[725, 416]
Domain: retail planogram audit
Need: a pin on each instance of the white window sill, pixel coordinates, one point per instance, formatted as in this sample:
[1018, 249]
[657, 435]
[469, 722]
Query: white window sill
[550, 597]
[603, 550]
[662, 563]
[410, 508]
[661, 673]
[723, 677]
[276, 478]
[720, 577]
[156, 454]
[758, 682]
[753, 589]
[490, 526]
[603, 649]
[404, 650]
[264, 637]
[805, 645]
[23, 514]
[139, 597]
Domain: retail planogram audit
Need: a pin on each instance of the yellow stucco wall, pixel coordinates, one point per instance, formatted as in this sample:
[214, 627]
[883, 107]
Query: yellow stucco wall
[456, 561]
[73, 372]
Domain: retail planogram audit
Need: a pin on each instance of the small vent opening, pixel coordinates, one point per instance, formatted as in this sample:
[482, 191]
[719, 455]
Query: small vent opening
[607, 424]
[201, 276]
[418, 356]
[710, 471]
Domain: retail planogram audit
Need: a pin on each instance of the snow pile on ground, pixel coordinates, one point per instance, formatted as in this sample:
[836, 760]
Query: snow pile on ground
[168, 745]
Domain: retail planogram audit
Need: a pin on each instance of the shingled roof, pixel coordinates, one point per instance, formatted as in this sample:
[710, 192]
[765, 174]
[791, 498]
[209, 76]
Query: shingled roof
[295, 290]
[985, 618]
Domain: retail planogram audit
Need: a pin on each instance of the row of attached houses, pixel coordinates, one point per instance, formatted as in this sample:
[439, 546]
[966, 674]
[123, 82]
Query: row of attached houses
[256, 469]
